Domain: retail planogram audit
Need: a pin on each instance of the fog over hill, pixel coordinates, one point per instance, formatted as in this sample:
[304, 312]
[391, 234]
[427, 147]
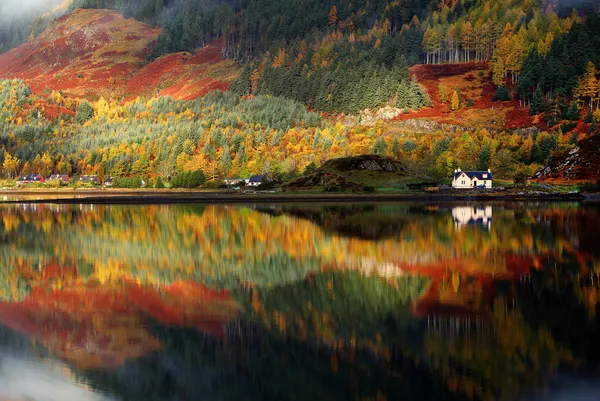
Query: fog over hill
[18, 8]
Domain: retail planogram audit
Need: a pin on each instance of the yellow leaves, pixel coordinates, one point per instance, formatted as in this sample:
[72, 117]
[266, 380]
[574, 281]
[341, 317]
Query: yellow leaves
[455, 104]
[280, 58]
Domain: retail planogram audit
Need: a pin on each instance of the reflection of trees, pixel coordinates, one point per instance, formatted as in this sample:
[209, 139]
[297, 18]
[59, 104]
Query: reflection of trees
[502, 356]
[340, 309]
[227, 245]
[564, 301]
[326, 307]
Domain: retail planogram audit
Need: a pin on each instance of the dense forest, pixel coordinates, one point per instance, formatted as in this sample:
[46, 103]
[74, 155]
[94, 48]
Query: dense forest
[228, 136]
[325, 53]
[333, 57]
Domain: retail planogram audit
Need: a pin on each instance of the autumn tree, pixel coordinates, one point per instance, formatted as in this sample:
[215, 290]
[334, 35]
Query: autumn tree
[590, 83]
[442, 93]
[333, 16]
[455, 104]
[10, 165]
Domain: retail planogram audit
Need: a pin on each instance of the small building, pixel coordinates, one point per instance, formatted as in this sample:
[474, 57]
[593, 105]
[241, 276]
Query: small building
[472, 179]
[255, 180]
[92, 179]
[30, 179]
[233, 181]
[63, 178]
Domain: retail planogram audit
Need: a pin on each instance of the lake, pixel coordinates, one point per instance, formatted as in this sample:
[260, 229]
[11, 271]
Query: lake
[440, 301]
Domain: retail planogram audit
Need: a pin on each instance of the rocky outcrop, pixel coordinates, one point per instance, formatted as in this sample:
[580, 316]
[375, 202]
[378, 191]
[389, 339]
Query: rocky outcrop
[582, 163]
[364, 163]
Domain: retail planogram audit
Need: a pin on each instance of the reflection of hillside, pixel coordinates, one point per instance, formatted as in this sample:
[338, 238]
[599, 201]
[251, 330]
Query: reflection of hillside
[149, 295]
[361, 221]
[223, 246]
[95, 326]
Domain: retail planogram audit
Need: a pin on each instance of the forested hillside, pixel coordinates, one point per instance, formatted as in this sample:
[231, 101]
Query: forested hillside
[283, 63]
[225, 135]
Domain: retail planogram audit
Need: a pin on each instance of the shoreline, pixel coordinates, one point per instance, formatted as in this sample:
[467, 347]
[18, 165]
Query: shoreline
[173, 197]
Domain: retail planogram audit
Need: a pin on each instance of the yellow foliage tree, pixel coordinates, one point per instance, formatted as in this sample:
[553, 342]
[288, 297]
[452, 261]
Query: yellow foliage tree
[590, 83]
[333, 16]
[10, 165]
[455, 105]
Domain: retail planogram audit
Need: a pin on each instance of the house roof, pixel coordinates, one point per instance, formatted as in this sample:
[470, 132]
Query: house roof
[474, 174]
[257, 178]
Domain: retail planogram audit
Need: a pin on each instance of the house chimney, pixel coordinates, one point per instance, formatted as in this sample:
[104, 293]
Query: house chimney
[455, 171]
[459, 170]
[489, 171]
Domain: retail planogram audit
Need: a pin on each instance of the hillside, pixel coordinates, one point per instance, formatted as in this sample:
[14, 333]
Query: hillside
[93, 53]
[474, 84]
[100, 93]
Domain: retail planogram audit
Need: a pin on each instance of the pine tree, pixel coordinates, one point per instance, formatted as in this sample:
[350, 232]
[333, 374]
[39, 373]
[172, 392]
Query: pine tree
[502, 93]
[380, 147]
[537, 102]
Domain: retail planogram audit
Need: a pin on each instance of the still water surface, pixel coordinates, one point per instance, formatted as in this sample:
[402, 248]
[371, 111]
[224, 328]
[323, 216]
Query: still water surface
[300, 302]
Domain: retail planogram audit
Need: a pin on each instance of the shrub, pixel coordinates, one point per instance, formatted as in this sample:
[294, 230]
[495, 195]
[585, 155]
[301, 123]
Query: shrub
[127, 182]
[159, 184]
[567, 127]
[572, 112]
[470, 103]
[589, 118]
[310, 168]
[502, 93]
[84, 112]
[53, 183]
[188, 179]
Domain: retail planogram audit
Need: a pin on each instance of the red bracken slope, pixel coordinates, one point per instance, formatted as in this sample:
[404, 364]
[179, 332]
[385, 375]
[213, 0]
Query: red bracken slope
[185, 75]
[473, 83]
[93, 53]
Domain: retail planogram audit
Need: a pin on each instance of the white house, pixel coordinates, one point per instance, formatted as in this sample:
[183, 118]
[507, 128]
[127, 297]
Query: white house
[465, 215]
[472, 179]
[255, 180]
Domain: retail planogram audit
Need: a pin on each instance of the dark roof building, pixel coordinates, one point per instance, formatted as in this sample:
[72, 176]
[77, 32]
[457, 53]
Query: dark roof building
[472, 179]
[256, 180]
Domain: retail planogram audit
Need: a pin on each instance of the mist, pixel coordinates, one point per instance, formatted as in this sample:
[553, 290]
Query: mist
[10, 9]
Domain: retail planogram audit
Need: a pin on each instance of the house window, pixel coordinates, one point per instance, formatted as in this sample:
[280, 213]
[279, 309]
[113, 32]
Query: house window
[485, 176]
[462, 182]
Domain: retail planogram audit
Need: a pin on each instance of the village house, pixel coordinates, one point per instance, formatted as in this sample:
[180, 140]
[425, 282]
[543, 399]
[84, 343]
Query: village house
[472, 179]
[255, 180]
[233, 181]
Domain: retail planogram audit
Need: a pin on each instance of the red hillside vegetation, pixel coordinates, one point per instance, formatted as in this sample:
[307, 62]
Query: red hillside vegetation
[93, 53]
[185, 76]
[473, 83]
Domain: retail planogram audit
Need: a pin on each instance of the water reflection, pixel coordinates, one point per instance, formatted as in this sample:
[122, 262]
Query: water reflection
[301, 302]
[465, 215]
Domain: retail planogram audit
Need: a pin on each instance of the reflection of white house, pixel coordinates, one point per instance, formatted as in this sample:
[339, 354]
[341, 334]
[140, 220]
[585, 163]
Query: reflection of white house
[472, 179]
[464, 215]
